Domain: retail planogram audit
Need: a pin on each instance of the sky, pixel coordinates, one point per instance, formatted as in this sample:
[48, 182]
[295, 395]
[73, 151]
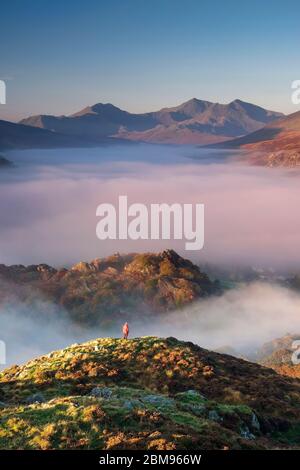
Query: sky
[60, 56]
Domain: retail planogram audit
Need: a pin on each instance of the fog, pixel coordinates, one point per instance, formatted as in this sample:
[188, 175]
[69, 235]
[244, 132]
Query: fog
[242, 318]
[48, 204]
[48, 207]
[29, 331]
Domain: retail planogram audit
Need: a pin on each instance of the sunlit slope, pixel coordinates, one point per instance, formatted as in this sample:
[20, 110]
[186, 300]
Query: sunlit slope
[277, 144]
[147, 393]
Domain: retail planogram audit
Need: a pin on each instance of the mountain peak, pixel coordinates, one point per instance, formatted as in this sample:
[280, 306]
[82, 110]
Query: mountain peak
[238, 101]
[195, 100]
[98, 108]
[193, 107]
[242, 104]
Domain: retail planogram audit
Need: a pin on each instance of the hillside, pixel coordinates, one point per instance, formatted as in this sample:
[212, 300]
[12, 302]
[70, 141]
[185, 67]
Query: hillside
[277, 144]
[193, 122]
[278, 354]
[146, 393]
[107, 290]
[20, 136]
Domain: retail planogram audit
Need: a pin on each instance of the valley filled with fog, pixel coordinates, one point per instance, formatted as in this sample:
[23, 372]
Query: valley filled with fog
[48, 204]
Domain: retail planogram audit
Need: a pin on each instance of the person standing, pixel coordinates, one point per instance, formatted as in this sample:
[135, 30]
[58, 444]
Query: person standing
[125, 330]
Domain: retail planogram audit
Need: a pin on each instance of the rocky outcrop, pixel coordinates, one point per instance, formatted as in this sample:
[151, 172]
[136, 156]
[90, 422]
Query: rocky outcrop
[106, 289]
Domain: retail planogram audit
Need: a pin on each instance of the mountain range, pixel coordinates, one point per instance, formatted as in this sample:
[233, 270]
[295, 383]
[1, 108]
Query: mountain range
[194, 122]
[267, 137]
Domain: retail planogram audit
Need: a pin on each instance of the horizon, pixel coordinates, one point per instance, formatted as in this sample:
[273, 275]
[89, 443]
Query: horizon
[146, 57]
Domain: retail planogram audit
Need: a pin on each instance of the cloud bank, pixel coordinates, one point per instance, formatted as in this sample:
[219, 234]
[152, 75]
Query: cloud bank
[48, 204]
[243, 319]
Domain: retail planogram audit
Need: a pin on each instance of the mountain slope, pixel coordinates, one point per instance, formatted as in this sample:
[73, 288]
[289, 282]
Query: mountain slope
[194, 121]
[20, 136]
[278, 355]
[106, 290]
[39, 135]
[146, 393]
[277, 144]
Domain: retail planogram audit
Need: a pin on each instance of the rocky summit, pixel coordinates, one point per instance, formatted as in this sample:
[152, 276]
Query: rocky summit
[146, 393]
[105, 290]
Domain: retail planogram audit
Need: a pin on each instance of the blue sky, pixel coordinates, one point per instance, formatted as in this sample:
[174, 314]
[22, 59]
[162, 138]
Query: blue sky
[59, 56]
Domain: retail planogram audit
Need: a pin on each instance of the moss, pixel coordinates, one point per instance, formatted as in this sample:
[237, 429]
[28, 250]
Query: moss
[188, 420]
[191, 397]
[234, 409]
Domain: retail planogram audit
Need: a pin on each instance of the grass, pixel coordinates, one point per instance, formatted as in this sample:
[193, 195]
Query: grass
[163, 394]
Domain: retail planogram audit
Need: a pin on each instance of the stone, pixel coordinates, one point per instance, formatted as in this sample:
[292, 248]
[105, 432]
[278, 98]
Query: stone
[35, 398]
[101, 392]
[158, 400]
[213, 415]
[245, 433]
[132, 404]
[254, 422]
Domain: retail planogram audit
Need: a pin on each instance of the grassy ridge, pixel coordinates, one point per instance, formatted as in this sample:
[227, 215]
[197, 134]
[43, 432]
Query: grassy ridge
[147, 393]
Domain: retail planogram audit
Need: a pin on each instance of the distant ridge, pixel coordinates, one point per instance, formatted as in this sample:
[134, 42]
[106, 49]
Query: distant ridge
[20, 136]
[193, 122]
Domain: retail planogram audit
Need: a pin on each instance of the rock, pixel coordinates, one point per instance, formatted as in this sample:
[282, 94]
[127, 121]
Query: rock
[198, 410]
[213, 415]
[132, 404]
[101, 392]
[50, 355]
[254, 422]
[193, 401]
[245, 433]
[35, 398]
[46, 270]
[82, 267]
[159, 400]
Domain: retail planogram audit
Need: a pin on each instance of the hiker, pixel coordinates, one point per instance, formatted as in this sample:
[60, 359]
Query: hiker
[125, 330]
